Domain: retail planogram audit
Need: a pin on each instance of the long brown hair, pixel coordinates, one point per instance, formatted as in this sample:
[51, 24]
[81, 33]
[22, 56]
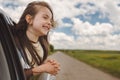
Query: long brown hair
[21, 27]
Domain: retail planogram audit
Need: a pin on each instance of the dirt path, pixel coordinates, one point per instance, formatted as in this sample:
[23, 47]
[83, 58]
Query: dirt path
[71, 69]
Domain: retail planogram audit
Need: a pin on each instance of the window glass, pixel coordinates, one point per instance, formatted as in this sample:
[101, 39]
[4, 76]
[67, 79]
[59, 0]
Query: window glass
[4, 71]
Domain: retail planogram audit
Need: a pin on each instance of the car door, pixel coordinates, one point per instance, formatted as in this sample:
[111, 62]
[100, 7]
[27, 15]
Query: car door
[10, 66]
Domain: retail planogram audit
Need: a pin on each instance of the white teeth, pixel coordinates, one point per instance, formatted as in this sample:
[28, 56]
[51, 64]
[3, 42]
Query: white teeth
[46, 27]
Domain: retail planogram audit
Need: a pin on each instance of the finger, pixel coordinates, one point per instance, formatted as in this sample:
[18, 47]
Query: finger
[57, 69]
[57, 66]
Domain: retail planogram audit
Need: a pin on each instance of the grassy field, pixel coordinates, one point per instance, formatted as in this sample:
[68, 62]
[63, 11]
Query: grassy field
[108, 61]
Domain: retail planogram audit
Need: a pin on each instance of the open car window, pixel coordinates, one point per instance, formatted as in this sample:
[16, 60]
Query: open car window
[10, 65]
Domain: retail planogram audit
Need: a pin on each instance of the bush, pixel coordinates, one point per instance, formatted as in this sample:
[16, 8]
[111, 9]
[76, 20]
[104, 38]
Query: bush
[51, 48]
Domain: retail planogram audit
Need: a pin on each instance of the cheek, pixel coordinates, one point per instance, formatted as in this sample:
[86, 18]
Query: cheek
[37, 23]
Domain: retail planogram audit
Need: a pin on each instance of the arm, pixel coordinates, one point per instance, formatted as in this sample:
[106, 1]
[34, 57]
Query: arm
[28, 73]
[47, 67]
[50, 67]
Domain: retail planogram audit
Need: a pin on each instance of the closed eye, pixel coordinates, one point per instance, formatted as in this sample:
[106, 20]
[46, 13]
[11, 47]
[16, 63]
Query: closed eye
[45, 17]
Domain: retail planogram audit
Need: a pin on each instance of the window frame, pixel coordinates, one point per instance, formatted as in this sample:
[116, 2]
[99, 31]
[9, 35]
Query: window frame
[9, 48]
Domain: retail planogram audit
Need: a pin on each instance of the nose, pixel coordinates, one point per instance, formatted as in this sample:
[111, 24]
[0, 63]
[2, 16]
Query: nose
[49, 23]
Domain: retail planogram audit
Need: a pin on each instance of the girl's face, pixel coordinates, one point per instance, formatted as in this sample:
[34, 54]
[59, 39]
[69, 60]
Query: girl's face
[42, 22]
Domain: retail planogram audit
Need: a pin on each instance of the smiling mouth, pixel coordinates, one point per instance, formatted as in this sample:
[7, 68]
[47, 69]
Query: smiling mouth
[45, 27]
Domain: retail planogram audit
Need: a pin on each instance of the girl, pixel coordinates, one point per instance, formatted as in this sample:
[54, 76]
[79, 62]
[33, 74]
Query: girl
[31, 38]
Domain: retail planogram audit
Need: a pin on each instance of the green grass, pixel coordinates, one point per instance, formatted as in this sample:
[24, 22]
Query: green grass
[108, 61]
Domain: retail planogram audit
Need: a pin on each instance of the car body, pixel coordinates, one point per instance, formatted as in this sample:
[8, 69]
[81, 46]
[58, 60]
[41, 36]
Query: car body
[10, 66]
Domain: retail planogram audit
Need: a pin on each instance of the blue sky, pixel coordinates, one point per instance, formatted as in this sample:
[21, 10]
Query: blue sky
[82, 24]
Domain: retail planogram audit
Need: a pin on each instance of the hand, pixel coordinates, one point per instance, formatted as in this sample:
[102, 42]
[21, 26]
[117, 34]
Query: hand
[56, 65]
[49, 67]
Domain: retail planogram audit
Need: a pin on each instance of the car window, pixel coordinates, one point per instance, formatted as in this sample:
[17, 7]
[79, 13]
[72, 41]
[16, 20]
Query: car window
[10, 66]
[4, 71]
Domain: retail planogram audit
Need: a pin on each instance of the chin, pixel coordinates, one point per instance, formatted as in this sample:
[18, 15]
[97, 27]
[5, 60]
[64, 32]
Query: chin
[45, 33]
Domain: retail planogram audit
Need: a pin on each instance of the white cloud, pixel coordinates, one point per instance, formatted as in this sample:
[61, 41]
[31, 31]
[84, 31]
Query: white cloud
[61, 40]
[64, 41]
[98, 36]
[87, 29]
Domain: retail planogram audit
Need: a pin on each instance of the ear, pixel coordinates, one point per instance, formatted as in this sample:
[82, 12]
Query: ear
[28, 18]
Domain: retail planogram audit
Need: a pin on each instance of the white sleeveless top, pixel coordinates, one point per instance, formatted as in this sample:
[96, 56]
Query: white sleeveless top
[39, 50]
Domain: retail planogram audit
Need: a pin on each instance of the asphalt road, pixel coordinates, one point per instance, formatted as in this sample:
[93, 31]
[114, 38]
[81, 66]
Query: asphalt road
[72, 69]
